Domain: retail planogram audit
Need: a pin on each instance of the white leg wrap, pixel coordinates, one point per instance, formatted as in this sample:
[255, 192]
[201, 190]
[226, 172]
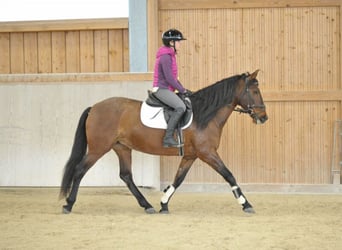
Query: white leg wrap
[167, 194]
[241, 200]
[238, 195]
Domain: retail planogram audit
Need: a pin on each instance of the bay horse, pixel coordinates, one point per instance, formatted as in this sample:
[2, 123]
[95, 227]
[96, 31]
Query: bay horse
[115, 124]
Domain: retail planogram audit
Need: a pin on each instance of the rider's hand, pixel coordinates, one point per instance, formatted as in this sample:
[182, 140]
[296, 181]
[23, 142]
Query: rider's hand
[188, 93]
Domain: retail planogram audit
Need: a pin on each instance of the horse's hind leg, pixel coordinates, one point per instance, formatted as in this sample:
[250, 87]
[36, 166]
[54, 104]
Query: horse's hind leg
[125, 160]
[81, 169]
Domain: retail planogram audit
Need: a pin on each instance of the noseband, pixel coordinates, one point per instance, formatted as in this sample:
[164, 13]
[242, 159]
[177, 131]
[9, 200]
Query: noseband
[250, 105]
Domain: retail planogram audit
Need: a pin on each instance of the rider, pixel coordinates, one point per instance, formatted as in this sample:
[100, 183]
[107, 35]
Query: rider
[165, 82]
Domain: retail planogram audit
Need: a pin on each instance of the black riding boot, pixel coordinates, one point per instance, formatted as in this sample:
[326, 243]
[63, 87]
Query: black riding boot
[169, 140]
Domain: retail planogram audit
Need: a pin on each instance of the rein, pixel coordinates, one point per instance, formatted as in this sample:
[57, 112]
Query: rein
[245, 111]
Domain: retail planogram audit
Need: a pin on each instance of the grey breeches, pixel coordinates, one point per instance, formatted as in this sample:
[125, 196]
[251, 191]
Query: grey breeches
[170, 98]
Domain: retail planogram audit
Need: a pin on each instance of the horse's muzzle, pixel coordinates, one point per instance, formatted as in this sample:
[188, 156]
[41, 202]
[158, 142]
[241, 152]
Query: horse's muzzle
[262, 120]
[259, 118]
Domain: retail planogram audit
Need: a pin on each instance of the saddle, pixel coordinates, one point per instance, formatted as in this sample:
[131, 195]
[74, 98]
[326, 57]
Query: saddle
[156, 114]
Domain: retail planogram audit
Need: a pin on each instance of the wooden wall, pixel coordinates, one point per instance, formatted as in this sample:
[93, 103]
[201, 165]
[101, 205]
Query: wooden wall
[69, 46]
[297, 46]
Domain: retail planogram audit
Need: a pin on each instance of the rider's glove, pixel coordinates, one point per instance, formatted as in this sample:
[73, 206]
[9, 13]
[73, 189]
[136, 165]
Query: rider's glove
[187, 93]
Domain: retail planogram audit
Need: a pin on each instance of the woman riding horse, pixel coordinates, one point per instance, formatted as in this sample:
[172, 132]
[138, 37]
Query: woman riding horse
[114, 124]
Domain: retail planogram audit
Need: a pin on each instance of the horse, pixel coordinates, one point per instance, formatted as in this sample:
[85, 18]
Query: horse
[114, 124]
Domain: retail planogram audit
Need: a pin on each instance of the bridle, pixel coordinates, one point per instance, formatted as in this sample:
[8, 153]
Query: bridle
[250, 105]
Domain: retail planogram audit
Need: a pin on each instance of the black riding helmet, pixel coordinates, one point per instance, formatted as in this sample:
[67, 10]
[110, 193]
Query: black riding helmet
[172, 35]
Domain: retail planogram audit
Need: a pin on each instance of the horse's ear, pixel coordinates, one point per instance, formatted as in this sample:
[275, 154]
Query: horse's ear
[254, 74]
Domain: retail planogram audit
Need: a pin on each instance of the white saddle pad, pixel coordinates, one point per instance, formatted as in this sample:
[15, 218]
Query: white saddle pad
[153, 117]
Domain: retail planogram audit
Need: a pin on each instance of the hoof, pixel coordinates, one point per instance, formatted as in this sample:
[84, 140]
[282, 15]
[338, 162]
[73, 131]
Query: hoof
[65, 210]
[150, 210]
[164, 211]
[249, 210]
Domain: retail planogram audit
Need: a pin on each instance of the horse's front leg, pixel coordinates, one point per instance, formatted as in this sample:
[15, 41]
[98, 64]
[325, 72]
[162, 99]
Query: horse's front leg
[214, 160]
[183, 169]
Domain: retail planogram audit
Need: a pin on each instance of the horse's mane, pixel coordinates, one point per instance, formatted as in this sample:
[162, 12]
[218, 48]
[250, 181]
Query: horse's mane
[207, 101]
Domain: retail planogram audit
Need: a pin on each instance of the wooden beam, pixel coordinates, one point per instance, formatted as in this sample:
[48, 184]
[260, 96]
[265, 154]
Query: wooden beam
[73, 77]
[233, 4]
[63, 25]
[275, 96]
[269, 96]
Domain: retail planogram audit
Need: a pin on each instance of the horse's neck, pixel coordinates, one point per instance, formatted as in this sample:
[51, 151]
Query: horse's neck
[223, 115]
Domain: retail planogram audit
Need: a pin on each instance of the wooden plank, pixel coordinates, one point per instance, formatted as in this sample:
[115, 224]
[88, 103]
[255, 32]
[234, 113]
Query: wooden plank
[17, 52]
[116, 52]
[101, 50]
[125, 50]
[31, 52]
[64, 25]
[44, 52]
[87, 51]
[219, 4]
[74, 77]
[58, 52]
[72, 48]
[5, 53]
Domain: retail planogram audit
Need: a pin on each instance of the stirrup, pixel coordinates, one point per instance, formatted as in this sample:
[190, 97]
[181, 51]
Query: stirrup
[171, 144]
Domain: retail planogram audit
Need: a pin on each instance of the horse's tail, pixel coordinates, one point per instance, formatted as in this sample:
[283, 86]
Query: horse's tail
[78, 151]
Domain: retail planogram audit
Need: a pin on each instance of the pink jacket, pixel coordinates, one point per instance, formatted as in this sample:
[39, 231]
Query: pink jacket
[166, 71]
